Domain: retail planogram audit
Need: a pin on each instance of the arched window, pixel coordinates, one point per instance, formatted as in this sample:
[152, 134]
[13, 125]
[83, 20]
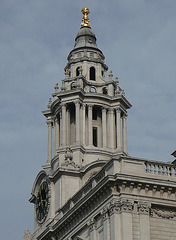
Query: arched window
[77, 71]
[92, 73]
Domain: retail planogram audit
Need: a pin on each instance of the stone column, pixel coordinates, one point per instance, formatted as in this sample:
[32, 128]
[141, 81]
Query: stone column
[124, 133]
[90, 125]
[144, 220]
[77, 104]
[104, 125]
[52, 200]
[68, 126]
[115, 221]
[118, 130]
[106, 224]
[92, 229]
[126, 219]
[111, 128]
[84, 124]
[63, 124]
[54, 137]
[56, 134]
[49, 123]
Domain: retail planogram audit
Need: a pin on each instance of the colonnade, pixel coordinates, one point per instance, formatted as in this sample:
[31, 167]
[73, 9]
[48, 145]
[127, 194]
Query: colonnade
[113, 128]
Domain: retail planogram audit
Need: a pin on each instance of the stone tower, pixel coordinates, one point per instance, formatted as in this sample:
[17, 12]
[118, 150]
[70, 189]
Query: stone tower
[90, 188]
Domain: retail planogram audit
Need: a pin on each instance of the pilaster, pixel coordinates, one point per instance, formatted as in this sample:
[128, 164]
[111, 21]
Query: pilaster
[63, 105]
[124, 133]
[144, 221]
[104, 127]
[106, 223]
[118, 130]
[77, 104]
[49, 123]
[111, 128]
[90, 124]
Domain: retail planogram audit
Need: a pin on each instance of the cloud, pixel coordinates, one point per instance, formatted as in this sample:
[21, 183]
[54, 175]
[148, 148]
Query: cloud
[138, 40]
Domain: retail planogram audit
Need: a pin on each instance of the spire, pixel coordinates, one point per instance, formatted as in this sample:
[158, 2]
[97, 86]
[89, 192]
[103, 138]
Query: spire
[85, 19]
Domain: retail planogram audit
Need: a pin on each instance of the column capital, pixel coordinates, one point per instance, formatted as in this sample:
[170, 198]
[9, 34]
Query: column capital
[83, 106]
[63, 104]
[118, 110]
[110, 110]
[77, 102]
[125, 115]
[49, 121]
[91, 224]
[90, 106]
[104, 108]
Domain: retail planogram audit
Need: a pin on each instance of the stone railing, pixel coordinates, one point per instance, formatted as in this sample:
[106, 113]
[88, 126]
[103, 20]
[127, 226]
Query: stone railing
[156, 168]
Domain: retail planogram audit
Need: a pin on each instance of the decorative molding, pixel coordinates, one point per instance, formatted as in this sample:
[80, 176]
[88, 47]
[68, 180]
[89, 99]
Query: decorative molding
[105, 213]
[92, 224]
[127, 205]
[143, 207]
[163, 212]
[69, 158]
[124, 205]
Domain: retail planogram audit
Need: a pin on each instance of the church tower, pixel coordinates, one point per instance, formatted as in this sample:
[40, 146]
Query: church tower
[90, 188]
[86, 126]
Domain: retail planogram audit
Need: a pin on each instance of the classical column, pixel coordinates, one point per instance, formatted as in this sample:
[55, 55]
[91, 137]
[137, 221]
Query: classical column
[106, 223]
[111, 128]
[90, 124]
[115, 221]
[144, 220]
[127, 208]
[52, 200]
[77, 104]
[68, 126]
[124, 133]
[49, 123]
[104, 130]
[63, 124]
[92, 229]
[118, 130]
[54, 137]
[83, 124]
[56, 133]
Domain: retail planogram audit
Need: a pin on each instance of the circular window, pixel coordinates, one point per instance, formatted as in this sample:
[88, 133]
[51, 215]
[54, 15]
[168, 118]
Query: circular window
[92, 89]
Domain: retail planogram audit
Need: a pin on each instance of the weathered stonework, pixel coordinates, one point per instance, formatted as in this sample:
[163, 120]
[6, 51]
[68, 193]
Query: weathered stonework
[96, 191]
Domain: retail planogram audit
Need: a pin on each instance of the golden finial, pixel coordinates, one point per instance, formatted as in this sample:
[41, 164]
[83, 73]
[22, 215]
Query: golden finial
[85, 19]
[116, 78]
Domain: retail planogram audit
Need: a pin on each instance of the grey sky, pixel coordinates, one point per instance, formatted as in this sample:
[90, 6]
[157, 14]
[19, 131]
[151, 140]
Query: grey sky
[138, 39]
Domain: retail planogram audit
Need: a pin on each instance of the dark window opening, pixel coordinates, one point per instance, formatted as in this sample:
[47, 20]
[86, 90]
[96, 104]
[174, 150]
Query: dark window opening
[94, 117]
[102, 73]
[95, 136]
[105, 91]
[92, 73]
[77, 71]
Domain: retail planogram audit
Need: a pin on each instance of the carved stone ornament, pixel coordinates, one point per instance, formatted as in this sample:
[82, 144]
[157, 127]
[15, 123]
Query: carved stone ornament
[119, 206]
[127, 205]
[91, 224]
[114, 207]
[27, 235]
[105, 213]
[143, 207]
[163, 212]
[69, 159]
